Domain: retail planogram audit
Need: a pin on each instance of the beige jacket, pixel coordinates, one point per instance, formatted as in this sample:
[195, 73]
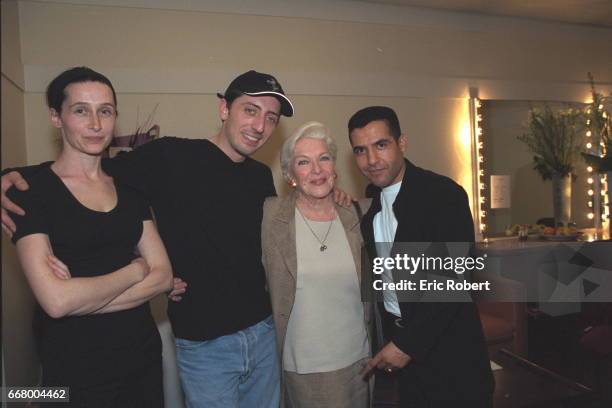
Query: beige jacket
[280, 259]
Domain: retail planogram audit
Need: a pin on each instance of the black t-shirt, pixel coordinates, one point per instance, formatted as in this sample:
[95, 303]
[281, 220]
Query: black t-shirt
[208, 211]
[90, 243]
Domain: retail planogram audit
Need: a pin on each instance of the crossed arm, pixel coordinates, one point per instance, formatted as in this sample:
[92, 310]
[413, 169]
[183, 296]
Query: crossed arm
[159, 279]
[61, 295]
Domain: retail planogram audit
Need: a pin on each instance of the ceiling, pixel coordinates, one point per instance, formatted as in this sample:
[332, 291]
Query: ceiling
[591, 12]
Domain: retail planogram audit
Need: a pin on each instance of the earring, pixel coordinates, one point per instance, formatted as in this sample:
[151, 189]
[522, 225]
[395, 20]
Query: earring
[293, 183]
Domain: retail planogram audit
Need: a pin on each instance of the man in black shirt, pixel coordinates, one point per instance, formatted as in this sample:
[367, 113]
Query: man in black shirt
[207, 196]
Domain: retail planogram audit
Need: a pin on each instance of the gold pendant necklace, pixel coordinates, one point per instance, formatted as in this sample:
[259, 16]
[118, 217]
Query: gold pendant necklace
[323, 247]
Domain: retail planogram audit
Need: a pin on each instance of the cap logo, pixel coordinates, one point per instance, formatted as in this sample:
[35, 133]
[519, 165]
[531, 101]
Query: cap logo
[273, 84]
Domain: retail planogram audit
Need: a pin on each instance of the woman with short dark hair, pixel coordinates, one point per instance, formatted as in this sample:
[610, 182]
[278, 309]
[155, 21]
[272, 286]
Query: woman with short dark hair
[76, 244]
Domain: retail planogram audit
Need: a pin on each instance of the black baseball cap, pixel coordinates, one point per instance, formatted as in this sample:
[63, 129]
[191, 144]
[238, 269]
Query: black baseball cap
[255, 83]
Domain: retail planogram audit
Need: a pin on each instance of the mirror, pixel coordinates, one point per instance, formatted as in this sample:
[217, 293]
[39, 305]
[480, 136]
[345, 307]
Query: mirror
[528, 198]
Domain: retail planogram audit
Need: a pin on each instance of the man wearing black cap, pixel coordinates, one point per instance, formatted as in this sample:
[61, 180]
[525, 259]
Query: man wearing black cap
[258, 96]
[207, 196]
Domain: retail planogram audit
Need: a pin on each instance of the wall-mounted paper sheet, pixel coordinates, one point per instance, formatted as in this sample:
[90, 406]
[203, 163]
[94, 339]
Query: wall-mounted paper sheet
[500, 192]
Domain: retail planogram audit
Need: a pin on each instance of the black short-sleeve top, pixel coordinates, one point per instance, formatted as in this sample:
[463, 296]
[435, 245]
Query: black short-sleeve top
[91, 243]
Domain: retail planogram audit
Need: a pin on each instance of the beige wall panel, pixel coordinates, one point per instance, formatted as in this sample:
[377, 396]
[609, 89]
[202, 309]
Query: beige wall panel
[13, 127]
[11, 45]
[178, 51]
[19, 355]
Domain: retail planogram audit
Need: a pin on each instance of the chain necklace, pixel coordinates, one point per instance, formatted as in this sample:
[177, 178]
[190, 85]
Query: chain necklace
[323, 247]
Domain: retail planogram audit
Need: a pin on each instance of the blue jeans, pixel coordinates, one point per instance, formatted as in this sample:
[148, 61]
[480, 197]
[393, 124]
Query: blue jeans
[239, 370]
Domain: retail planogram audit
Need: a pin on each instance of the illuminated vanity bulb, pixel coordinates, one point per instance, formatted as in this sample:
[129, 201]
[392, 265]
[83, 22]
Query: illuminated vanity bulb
[588, 133]
[589, 145]
[590, 180]
[590, 192]
[590, 216]
[589, 169]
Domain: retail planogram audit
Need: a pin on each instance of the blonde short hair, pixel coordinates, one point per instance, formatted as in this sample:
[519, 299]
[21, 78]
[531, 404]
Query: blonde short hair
[309, 130]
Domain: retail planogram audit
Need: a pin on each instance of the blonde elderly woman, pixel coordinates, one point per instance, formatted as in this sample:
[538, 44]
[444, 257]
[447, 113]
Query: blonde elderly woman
[311, 254]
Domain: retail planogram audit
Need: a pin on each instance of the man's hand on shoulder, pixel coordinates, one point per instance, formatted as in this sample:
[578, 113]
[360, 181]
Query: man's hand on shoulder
[342, 198]
[9, 180]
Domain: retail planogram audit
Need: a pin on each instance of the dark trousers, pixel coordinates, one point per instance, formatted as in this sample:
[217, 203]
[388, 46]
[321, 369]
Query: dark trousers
[414, 392]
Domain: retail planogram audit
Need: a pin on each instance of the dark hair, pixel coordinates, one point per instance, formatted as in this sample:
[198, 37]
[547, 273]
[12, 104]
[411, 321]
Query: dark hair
[232, 95]
[56, 91]
[364, 116]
